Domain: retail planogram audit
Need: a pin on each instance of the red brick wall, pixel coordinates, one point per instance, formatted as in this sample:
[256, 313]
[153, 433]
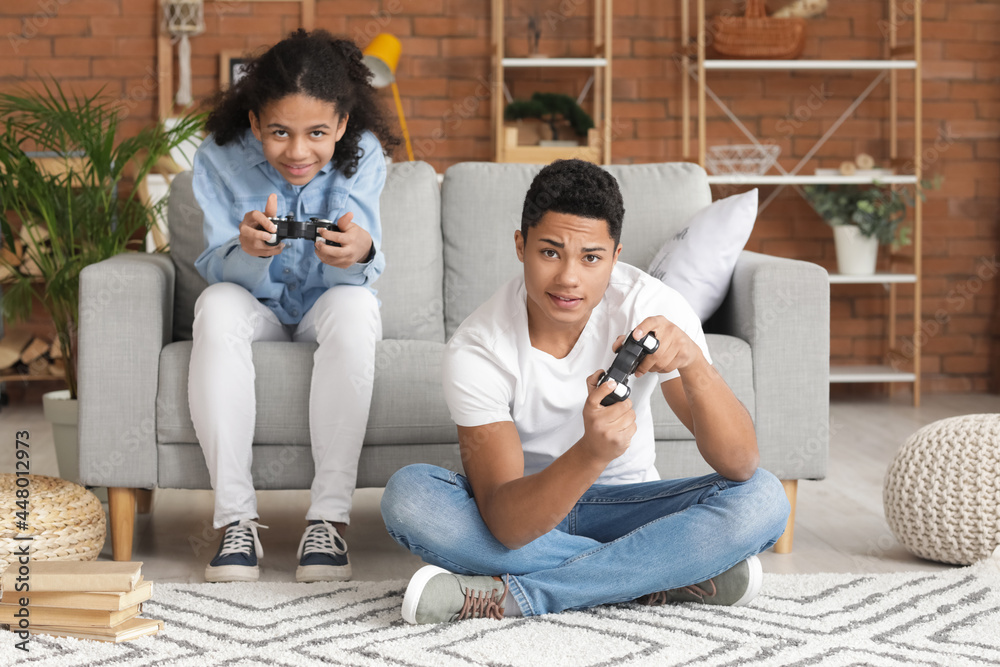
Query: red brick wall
[444, 76]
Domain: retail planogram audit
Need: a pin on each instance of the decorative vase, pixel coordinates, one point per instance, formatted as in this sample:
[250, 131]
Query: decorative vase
[62, 412]
[856, 253]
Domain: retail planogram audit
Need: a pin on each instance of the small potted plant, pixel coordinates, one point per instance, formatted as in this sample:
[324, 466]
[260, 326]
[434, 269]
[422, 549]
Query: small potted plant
[554, 109]
[864, 217]
[57, 219]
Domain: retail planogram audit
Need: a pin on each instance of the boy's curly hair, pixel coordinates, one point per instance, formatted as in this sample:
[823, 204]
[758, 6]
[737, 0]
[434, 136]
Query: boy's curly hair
[314, 64]
[578, 188]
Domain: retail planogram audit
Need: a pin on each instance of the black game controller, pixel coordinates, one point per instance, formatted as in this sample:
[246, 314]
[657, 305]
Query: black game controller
[630, 355]
[290, 228]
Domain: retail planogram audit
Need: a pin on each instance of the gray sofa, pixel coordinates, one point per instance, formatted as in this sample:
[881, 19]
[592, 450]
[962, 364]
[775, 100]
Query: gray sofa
[448, 247]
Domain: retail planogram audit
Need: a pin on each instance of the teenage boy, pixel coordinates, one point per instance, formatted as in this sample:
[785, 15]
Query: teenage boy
[561, 506]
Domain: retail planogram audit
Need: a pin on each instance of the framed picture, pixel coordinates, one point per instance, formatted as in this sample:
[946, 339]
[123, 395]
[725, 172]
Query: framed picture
[231, 64]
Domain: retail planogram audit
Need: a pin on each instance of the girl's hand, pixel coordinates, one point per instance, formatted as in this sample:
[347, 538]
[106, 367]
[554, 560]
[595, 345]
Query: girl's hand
[256, 229]
[355, 243]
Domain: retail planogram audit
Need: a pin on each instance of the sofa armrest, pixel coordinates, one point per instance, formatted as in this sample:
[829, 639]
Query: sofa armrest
[126, 313]
[781, 307]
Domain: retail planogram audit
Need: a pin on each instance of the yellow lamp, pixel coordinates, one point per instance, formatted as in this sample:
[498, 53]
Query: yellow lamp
[381, 56]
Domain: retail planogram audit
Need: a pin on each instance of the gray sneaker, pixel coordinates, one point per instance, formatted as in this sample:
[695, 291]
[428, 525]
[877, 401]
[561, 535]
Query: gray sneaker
[735, 587]
[435, 595]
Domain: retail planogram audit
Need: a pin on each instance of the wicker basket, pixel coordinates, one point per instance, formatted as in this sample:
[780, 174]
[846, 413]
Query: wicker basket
[65, 520]
[757, 36]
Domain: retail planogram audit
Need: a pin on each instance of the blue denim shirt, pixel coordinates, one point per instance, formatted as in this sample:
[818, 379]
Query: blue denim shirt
[236, 178]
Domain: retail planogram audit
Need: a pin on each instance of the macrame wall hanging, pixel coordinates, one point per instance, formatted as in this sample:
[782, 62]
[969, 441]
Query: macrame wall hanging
[181, 20]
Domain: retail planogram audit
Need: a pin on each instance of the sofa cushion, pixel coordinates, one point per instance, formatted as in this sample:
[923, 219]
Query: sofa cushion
[182, 466]
[410, 287]
[733, 359]
[407, 405]
[698, 261]
[186, 245]
[481, 206]
[659, 200]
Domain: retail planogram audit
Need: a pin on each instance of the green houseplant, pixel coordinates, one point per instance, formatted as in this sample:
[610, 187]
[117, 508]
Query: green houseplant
[78, 214]
[551, 108]
[864, 217]
[73, 211]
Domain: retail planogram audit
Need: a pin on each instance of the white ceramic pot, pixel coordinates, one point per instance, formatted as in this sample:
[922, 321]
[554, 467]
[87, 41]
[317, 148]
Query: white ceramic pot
[856, 253]
[62, 412]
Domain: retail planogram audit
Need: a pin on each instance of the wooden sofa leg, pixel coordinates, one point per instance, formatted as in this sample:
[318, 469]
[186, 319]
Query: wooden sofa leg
[784, 543]
[121, 507]
[143, 500]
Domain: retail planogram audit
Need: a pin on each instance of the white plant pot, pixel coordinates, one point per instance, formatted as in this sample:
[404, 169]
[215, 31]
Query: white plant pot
[559, 143]
[62, 412]
[856, 253]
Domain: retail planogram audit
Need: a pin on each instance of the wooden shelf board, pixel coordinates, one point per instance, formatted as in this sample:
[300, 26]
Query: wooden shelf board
[31, 378]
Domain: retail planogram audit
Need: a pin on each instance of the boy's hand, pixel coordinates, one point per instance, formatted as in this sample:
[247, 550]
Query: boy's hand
[256, 229]
[355, 243]
[608, 430]
[676, 352]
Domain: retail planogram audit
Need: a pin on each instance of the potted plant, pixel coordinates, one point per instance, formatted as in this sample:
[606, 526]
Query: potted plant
[554, 109]
[864, 217]
[73, 213]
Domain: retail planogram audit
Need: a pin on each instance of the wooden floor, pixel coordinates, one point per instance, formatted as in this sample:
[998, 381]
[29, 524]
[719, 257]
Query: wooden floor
[840, 523]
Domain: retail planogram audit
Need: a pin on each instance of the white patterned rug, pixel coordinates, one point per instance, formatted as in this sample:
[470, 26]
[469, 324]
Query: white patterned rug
[951, 618]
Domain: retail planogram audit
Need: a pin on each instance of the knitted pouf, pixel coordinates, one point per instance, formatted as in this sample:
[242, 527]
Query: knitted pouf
[942, 491]
[65, 520]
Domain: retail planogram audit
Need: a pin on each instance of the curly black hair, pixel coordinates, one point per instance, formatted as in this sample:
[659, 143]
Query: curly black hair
[314, 64]
[578, 188]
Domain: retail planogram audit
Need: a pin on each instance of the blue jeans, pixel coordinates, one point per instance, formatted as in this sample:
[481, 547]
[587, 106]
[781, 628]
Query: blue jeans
[617, 543]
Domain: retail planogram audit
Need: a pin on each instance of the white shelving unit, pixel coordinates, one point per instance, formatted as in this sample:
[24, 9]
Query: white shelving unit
[598, 146]
[905, 58]
[806, 179]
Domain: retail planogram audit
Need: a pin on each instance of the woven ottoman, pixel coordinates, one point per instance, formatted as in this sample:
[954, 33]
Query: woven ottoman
[66, 520]
[942, 490]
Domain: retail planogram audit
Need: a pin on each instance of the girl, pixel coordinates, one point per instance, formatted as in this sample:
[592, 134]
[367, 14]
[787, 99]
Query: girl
[296, 134]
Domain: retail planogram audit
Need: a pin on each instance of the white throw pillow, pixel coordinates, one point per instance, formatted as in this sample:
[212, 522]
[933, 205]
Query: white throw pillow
[699, 260]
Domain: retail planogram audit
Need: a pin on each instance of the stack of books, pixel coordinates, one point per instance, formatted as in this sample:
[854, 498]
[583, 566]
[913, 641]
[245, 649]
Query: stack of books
[98, 600]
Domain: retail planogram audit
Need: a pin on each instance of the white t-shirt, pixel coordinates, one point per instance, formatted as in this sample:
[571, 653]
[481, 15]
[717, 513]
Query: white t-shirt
[493, 374]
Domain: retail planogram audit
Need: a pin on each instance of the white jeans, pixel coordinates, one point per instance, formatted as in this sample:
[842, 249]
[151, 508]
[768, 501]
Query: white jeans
[346, 323]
